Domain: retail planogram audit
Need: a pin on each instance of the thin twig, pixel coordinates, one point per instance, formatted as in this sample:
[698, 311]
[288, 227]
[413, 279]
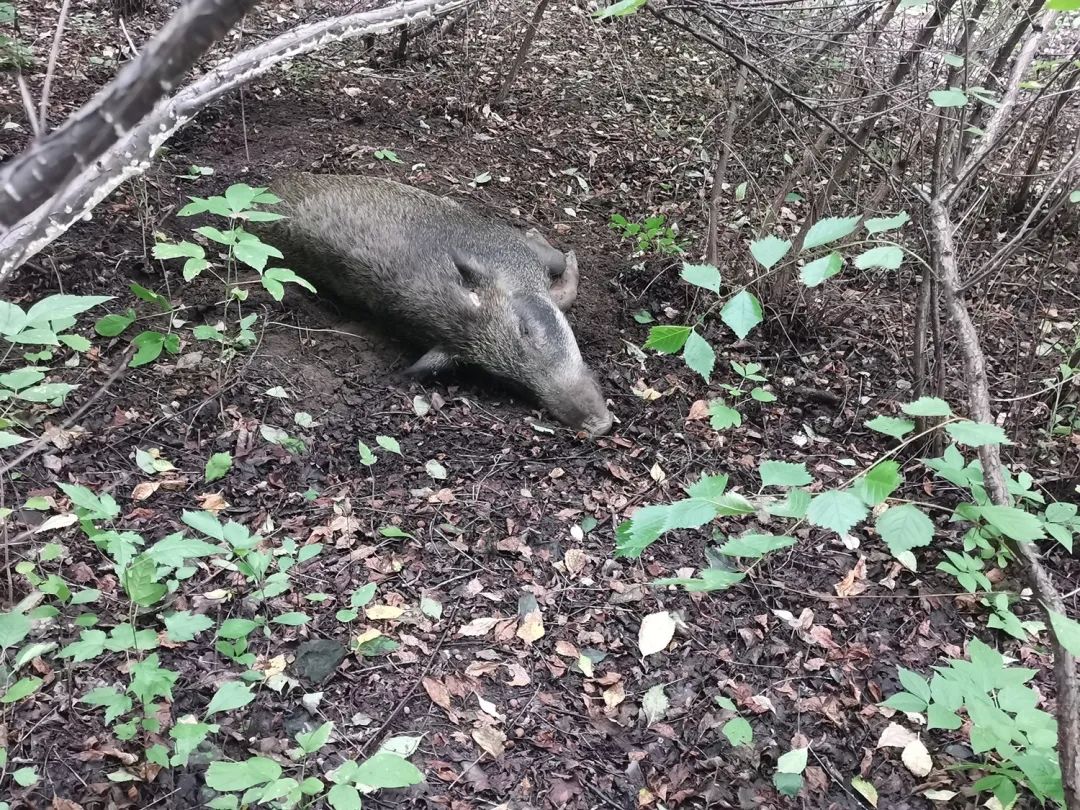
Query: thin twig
[54, 55]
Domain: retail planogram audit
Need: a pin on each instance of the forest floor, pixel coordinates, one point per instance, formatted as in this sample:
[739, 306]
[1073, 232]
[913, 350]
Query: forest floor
[604, 119]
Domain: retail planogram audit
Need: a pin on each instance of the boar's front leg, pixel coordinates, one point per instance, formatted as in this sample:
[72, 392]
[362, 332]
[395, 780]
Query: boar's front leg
[563, 289]
[434, 361]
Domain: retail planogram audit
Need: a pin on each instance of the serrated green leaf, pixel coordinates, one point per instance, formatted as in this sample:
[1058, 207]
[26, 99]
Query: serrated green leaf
[887, 257]
[702, 275]
[217, 466]
[880, 481]
[882, 224]
[822, 269]
[755, 545]
[185, 625]
[367, 458]
[722, 417]
[837, 510]
[905, 527]
[927, 406]
[784, 474]
[976, 434]
[1014, 523]
[891, 426]
[699, 355]
[204, 522]
[769, 251]
[667, 339]
[742, 313]
[829, 230]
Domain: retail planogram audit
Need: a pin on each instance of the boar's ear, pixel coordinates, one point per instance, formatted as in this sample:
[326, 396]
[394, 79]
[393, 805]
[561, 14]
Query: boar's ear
[473, 273]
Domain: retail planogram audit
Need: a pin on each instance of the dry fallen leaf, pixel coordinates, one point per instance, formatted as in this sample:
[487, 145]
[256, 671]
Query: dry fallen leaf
[375, 612]
[917, 758]
[478, 627]
[614, 695]
[490, 739]
[531, 628]
[657, 630]
[895, 736]
[437, 692]
[144, 490]
[575, 560]
[855, 581]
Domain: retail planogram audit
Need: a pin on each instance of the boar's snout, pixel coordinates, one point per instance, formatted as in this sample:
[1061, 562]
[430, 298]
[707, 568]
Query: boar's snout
[581, 405]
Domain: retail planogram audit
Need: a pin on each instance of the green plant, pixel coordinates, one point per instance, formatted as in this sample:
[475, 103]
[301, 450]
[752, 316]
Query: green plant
[650, 235]
[1016, 740]
[14, 53]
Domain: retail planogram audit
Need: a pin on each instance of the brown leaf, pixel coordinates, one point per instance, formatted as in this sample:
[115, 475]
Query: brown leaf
[854, 582]
[532, 627]
[490, 739]
[699, 410]
[437, 692]
[144, 490]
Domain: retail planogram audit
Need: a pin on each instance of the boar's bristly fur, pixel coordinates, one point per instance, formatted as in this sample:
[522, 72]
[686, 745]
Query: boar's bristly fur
[467, 288]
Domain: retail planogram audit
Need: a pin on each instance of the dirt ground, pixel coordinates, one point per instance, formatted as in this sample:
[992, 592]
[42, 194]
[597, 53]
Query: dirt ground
[604, 119]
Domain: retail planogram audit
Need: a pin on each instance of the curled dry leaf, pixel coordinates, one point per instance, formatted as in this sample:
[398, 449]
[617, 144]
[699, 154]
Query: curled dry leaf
[478, 627]
[895, 736]
[490, 739]
[917, 759]
[144, 490]
[376, 612]
[437, 691]
[531, 627]
[575, 559]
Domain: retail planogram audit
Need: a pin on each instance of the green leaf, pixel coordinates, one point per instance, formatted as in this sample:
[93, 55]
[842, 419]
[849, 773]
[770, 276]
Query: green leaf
[952, 97]
[180, 250]
[312, 741]
[905, 702]
[619, 9]
[667, 339]
[236, 628]
[794, 761]
[91, 644]
[742, 313]
[9, 439]
[25, 777]
[828, 230]
[722, 417]
[784, 474]
[12, 319]
[769, 251]
[738, 731]
[237, 776]
[172, 550]
[882, 224]
[699, 355]
[388, 443]
[58, 307]
[366, 456]
[76, 342]
[140, 581]
[149, 345]
[927, 406]
[711, 579]
[1016, 524]
[185, 625]
[822, 269]
[230, 695]
[255, 253]
[1067, 632]
[24, 687]
[436, 470]
[383, 770]
[643, 316]
[915, 683]
[204, 523]
[217, 466]
[880, 481]
[702, 275]
[904, 527]
[274, 280]
[891, 426]
[795, 507]
[292, 619]
[887, 257]
[14, 628]
[343, 797]
[976, 434]
[837, 510]
[755, 545]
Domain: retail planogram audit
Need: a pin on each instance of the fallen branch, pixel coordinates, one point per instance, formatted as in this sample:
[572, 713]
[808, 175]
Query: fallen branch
[33, 177]
[132, 155]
